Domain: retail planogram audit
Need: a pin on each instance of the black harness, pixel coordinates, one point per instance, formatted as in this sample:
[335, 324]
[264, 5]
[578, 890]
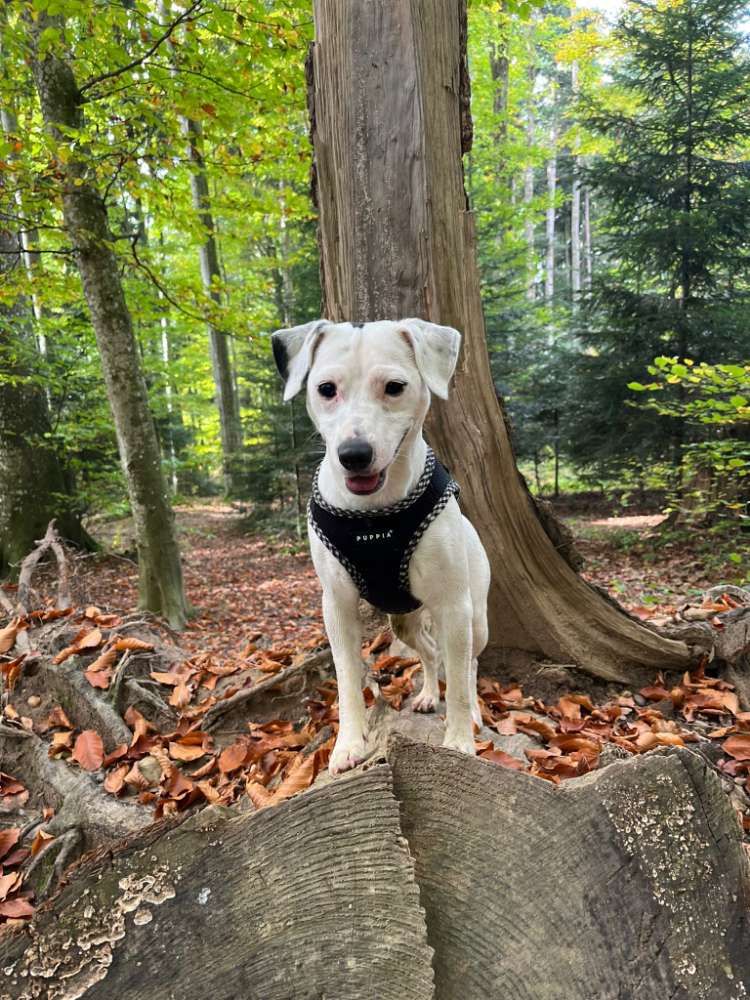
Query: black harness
[376, 546]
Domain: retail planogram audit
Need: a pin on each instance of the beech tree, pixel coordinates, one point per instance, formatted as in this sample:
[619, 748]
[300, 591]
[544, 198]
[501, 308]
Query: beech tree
[87, 226]
[390, 116]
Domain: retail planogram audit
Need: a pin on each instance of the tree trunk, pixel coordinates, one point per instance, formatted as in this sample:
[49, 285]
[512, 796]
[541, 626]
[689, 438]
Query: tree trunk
[86, 222]
[226, 400]
[549, 272]
[528, 186]
[575, 210]
[588, 253]
[389, 96]
[34, 488]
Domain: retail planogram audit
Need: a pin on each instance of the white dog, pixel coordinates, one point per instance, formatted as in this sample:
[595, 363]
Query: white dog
[384, 521]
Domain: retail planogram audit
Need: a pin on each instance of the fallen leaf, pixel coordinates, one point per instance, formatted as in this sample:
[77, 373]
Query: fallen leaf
[16, 908]
[234, 756]
[8, 635]
[89, 750]
[103, 662]
[8, 839]
[297, 780]
[41, 840]
[737, 746]
[178, 751]
[9, 883]
[123, 643]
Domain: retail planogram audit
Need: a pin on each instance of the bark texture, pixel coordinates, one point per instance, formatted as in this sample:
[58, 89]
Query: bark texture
[86, 222]
[627, 884]
[313, 899]
[389, 120]
[33, 485]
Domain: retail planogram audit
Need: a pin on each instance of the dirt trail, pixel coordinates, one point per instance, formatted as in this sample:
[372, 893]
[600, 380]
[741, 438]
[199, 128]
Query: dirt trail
[245, 586]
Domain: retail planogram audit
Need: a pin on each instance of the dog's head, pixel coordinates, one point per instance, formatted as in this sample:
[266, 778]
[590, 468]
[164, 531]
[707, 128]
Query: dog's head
[368, 387]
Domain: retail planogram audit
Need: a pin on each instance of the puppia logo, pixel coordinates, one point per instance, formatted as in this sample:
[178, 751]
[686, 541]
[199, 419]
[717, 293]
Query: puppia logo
[376, 536]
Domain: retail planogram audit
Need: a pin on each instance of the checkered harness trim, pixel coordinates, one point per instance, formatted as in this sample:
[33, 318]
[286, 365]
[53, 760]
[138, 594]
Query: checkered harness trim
[452, 489]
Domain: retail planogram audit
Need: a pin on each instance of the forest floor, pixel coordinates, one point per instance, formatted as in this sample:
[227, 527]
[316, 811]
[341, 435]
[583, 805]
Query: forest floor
[247, 586]
[249, 715]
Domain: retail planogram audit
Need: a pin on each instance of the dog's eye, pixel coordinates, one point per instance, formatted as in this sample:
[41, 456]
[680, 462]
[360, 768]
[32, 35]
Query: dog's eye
[394, 388]
[327, 390]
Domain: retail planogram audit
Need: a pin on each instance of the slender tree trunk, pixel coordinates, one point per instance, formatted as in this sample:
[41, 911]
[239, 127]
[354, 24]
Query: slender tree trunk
[575, 209]
[226, 399]
[588, 252]
[549, 271]
[86, 222]
[528, 186]
[33, 485]
[389, 101]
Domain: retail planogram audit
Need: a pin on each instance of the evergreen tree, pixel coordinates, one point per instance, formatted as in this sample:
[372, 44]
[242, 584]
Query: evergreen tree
[676, 229]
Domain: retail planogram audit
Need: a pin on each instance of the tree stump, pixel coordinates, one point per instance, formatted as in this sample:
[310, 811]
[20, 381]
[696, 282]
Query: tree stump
[630, 882]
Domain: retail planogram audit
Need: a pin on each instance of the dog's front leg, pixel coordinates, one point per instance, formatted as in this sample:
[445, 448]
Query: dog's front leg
[453, 623]
[343, 625]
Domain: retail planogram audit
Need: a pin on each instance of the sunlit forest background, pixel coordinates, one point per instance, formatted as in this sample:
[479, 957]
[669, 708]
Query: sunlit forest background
[610, 179]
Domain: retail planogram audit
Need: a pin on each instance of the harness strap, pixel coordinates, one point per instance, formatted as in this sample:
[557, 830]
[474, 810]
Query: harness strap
[375, 546]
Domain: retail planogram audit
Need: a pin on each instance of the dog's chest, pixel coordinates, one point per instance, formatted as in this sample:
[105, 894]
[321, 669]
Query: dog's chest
[376, 547]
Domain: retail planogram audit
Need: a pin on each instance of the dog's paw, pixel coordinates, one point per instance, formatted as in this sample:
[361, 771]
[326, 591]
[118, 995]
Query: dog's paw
[347, 753]
[476, 715]
[463, 743]
[425, 701]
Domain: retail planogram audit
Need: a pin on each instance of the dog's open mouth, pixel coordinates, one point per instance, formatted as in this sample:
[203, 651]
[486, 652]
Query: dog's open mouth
[364, 485]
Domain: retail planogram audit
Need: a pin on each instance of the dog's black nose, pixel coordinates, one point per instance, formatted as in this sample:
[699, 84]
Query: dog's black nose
[355, 454]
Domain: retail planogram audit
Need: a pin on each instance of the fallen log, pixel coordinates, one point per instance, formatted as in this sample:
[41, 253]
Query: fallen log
[628, 882]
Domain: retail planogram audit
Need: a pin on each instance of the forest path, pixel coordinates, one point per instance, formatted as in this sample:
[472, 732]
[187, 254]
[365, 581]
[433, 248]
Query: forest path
[246, 585]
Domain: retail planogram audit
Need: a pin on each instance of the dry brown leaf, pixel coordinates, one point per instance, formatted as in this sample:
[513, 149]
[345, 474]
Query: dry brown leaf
[13, 908]
[181, 695]
[103, 662]
[9, 883]
[41, 839]
[8, 839]
[8, 635]
[115, 780]
[167, 678]
[130, 642]
[99, 678]
[89, 750]
[737, 746]
[258, 795]
[180, 751]
[300, 777]
[234, 756]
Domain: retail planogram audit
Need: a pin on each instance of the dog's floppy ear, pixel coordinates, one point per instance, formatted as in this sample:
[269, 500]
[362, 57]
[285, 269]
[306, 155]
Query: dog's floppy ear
[435, 351]
[293, 350]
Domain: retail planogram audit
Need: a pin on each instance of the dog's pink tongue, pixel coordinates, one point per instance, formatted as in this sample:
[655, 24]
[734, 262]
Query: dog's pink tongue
[362, 484]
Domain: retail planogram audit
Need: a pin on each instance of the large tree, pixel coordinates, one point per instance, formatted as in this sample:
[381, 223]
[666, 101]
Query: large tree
[87, 226]
[390, 108]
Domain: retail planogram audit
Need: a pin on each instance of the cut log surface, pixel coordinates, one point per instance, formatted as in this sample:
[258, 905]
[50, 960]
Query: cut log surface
[627, 884]
[313, 900]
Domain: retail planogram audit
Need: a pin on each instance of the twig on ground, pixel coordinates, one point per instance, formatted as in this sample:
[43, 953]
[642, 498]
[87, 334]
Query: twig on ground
[51, 541]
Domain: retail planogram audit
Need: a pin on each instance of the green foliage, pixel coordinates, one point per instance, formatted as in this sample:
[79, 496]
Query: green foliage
[239, 74]
[715, 400]
[674, 229]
